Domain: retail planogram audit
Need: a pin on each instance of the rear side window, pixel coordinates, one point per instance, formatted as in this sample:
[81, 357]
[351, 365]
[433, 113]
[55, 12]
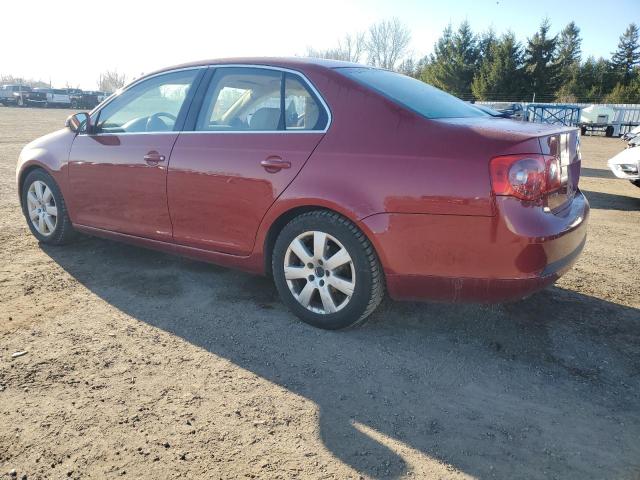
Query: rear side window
[260, 100]
[302, 110]
[413, 94]
[242, 99]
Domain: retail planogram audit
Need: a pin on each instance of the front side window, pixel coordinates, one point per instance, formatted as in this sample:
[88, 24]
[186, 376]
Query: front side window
[153, 105]
[413, 94]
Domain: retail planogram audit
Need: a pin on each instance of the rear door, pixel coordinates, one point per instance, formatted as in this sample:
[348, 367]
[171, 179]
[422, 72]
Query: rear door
[254, 131]
[118, 173]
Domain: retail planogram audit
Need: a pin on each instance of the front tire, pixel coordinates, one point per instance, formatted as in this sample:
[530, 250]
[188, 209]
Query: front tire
[45, 209]
[326, 271]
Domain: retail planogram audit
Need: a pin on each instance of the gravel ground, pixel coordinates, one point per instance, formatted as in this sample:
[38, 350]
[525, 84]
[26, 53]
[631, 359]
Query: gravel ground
[144, 365]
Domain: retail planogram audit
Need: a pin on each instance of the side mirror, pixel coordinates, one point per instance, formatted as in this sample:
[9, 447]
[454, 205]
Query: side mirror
[78, 122]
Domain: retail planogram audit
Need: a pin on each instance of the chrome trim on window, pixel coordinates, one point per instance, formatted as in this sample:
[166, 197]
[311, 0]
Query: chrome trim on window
[299, 74]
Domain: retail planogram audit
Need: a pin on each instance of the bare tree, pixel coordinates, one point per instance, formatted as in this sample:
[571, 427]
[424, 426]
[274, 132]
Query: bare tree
[23, 81]
[387, 43]
[111, 80]
[349, 49]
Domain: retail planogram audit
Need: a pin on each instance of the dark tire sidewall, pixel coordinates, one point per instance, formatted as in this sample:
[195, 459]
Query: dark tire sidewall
[338, 228]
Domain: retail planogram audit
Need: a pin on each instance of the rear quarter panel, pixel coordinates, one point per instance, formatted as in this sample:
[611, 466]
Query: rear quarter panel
[379, 157]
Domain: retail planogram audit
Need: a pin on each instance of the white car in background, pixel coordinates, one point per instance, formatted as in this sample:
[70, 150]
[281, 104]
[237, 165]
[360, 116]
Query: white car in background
[631, 134]
[626, 165]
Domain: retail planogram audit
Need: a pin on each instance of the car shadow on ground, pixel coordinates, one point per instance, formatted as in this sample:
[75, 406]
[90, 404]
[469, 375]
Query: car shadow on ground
[541, 388]
[596, 173]
[610, 201]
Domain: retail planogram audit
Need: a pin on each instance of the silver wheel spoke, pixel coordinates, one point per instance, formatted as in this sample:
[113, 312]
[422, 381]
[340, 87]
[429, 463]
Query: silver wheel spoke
[319, 245]
[337, 259]
[31, 198]
[52, 210]
[33, 214]
[41, 224]
[342, 285]
[38, 188]
[295, 273]
[46, 196]
[50, 225]
[327, 301]
[304, 297]
[301, 251]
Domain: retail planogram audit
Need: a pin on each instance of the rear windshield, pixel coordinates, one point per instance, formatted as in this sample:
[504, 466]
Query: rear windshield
[413, 94]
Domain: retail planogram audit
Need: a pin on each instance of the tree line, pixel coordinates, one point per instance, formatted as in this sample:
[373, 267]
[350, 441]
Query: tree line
[487, 66]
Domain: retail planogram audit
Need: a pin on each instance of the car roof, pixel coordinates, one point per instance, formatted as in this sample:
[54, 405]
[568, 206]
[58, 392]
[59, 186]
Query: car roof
[293, 63]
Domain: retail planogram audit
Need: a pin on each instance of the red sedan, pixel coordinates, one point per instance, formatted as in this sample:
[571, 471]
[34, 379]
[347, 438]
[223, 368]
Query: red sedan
[341, 181]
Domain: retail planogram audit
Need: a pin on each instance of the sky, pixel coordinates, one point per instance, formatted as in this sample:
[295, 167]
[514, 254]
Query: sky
[70, 43]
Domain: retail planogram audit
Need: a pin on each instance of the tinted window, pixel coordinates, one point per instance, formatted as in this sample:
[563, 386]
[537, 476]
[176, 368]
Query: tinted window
[302, 110]
[413, 94]
[242, 99]
[152, 105]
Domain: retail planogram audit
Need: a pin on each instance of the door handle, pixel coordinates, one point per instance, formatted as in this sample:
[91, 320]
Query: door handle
[153, 158]
[274, 164]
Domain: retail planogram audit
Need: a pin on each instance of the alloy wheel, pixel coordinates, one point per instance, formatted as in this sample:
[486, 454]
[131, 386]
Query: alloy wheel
[41, 207]
[319, 272]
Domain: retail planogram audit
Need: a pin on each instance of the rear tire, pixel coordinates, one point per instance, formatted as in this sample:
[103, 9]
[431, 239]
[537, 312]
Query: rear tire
[609, 131]
[636, 182]
[333, 277]
[45, 209]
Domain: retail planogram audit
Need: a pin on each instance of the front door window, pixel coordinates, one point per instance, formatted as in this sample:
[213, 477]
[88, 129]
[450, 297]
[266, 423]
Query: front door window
[151, 106]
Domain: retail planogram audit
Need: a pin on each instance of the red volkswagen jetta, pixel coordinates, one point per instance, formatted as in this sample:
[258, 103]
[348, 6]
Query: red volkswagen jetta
[339, 180]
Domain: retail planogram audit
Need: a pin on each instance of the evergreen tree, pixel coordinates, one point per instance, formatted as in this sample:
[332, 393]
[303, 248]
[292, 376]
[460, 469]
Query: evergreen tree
[486, 41]
[454, 61]
[569, 46]
[595, 80]
[627, 55]
[568, 54]
[500, 74]
[625, 93]
[542, 73]
[568, 57]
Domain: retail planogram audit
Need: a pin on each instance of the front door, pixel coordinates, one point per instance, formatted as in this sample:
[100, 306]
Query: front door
[254, 132]
[117, 173]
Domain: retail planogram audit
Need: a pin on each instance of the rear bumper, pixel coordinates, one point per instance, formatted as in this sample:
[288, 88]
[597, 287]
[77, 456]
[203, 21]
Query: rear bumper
[479, 259]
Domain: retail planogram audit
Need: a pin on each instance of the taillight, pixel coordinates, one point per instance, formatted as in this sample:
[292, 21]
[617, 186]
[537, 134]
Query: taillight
[528, 177]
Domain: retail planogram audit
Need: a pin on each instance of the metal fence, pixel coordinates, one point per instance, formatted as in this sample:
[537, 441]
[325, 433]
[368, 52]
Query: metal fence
[625, 115]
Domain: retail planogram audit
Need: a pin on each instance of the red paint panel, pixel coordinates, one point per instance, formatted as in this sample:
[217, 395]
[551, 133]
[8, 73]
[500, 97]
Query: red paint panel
[219, 191]
[112, 187]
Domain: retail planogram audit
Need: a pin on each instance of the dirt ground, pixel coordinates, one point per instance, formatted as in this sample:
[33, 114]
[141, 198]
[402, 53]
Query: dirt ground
[144, 365]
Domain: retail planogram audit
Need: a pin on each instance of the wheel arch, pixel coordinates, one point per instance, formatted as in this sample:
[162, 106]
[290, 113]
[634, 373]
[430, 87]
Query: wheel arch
[284, 216]
[26, 170]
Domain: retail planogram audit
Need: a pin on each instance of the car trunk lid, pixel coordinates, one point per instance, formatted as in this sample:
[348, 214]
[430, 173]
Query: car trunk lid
[515, 137]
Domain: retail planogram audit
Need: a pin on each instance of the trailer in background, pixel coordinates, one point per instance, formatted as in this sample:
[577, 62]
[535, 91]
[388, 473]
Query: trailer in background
[615, 122]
